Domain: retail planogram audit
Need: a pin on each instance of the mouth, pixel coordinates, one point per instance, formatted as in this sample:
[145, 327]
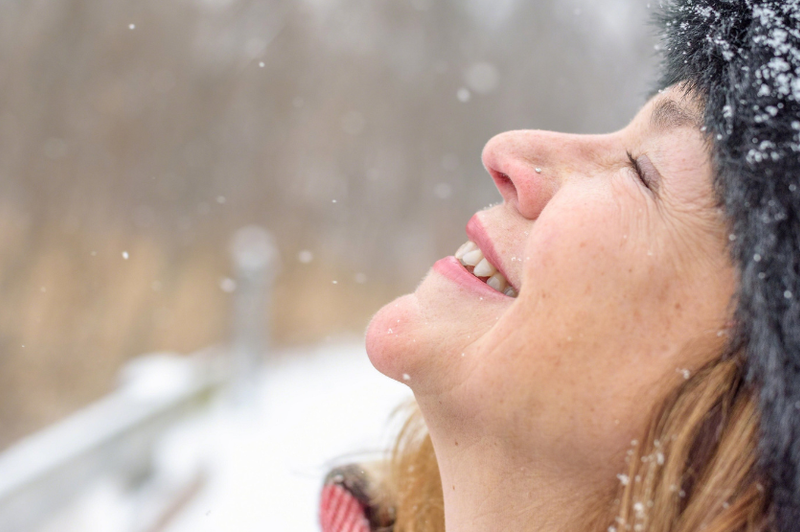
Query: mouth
[472, 258]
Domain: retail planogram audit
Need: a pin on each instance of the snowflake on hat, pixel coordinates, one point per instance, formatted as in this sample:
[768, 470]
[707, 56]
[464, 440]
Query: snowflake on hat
[743, 59]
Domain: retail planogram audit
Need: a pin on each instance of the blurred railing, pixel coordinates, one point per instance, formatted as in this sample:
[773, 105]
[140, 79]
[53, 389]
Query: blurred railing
[116, 436]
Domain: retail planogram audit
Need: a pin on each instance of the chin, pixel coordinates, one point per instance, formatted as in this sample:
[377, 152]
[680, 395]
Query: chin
[418, 339]
[392, 338]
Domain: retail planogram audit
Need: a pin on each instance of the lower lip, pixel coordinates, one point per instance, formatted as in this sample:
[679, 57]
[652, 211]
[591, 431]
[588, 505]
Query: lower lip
[451, 268]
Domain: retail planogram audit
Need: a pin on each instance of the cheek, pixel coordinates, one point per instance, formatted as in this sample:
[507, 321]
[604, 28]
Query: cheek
[599, 268]
[612, 321]
[595, 300]
[578, 257]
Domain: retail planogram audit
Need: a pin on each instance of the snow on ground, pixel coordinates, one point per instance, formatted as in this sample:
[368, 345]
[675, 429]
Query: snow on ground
[264, 462]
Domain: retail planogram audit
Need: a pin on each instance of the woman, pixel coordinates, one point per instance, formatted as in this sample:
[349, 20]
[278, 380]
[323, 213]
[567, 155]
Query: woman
[617, 347]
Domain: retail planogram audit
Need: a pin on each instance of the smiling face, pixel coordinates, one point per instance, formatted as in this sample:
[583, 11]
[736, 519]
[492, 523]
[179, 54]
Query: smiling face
[616, 253]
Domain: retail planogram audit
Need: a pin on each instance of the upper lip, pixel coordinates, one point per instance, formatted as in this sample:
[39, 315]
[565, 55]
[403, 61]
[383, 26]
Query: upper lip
[477, 233]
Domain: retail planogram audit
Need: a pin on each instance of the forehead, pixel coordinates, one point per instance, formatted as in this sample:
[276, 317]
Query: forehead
[669, 112]
[673, 117]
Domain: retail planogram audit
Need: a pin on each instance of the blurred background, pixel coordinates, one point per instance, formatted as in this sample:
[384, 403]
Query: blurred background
[137, 137]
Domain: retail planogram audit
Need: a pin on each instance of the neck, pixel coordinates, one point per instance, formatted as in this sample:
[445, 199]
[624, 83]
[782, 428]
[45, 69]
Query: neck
[489, 486]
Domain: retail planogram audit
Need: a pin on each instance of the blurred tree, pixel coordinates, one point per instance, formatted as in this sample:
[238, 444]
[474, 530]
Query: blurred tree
[350, 128]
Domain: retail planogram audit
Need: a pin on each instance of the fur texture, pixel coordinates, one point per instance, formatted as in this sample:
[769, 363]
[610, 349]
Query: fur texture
[743, 58]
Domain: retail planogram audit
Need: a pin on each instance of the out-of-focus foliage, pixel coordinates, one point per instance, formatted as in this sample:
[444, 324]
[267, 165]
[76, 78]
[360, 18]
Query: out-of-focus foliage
[352, 129]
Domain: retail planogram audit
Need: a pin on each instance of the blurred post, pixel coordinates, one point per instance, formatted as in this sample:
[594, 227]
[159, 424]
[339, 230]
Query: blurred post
[256, 262]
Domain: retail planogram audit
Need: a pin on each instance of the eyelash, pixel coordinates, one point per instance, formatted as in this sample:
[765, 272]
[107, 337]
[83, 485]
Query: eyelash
[633, 163]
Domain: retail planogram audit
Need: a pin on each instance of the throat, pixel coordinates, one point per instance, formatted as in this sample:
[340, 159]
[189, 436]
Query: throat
[490, 485]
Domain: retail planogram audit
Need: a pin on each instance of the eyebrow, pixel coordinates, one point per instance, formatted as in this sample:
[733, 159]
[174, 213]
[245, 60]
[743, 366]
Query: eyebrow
[669, 114]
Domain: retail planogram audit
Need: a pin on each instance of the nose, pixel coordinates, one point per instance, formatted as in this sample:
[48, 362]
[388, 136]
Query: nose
[529, 167]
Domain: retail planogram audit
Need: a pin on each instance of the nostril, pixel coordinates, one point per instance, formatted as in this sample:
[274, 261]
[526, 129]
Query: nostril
[504, 184]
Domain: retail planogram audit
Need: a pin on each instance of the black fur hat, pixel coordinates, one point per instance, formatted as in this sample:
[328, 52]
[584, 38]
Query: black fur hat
[743, 58]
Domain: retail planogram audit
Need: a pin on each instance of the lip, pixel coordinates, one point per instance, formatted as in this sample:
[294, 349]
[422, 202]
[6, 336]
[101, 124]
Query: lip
[477, 233]
[451, 268]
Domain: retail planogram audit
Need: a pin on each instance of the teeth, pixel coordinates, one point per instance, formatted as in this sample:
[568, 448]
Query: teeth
[472, 258]
[484, 269]
[497, 281]
[466, 248]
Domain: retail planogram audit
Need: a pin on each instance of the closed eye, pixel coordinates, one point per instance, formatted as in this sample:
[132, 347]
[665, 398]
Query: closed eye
[648, 174]
[633, 163]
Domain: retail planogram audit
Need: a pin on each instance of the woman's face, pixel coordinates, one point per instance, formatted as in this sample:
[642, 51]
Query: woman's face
[623, 280]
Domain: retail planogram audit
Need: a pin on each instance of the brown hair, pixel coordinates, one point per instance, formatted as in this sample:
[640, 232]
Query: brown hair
[695, 469]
